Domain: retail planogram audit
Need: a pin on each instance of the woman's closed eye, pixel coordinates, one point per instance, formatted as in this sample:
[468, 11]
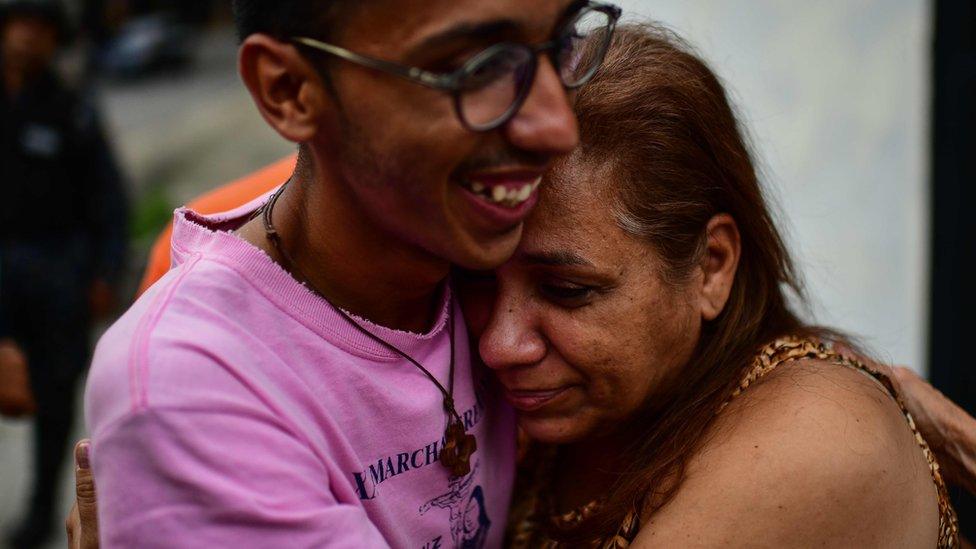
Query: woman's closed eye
[567, 294]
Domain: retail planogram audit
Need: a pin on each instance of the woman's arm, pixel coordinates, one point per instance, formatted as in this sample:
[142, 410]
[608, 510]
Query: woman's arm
[815, 455]
[949, 430]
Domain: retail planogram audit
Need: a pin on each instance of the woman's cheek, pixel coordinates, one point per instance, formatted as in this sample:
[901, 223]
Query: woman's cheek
[600, 367]
[626, 380]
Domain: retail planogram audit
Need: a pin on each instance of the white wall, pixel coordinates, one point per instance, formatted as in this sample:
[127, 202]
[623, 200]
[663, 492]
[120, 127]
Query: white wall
[835, 93]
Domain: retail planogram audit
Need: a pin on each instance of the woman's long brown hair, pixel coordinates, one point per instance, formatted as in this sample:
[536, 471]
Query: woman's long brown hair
[664, 121]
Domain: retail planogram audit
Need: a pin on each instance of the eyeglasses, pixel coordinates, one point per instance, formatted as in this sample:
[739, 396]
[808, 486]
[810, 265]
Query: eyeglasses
[491, 87]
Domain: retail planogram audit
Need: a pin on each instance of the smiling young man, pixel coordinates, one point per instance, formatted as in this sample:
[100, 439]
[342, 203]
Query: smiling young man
[302, 377]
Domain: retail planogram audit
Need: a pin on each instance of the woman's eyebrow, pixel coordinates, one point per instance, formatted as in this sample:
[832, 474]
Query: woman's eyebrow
[555, 258]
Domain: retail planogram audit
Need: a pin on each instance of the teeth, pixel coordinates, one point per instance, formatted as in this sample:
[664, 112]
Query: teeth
[498, 193]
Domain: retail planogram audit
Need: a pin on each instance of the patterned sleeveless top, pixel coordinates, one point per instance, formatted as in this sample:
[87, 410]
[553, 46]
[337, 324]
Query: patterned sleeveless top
[528, 522]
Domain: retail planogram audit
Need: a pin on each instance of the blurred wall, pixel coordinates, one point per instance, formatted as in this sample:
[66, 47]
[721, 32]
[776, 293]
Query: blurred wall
[835, 94]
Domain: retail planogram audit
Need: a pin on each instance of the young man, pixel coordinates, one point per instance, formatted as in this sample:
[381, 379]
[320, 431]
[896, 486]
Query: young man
[62, 235]
[302, 376]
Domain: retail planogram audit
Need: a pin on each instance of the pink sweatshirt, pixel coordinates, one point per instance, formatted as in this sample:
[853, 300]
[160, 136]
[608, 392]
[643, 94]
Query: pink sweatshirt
[232, 407]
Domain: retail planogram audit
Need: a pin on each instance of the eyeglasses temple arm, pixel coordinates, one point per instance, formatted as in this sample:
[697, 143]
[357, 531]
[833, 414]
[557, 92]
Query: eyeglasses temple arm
[430, 79]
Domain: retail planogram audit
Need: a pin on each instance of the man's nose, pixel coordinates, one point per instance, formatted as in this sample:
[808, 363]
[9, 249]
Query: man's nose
[546, 123]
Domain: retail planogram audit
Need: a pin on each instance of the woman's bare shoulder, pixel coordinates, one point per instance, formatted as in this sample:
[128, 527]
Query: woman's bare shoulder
[816, 453]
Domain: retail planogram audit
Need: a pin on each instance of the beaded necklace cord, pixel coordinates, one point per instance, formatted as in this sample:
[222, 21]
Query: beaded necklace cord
[458, 445]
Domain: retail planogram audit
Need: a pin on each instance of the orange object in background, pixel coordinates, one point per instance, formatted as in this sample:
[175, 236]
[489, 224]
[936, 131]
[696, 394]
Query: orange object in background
[225, 198]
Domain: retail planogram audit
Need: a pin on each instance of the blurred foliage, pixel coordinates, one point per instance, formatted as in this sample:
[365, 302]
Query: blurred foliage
[150, 215]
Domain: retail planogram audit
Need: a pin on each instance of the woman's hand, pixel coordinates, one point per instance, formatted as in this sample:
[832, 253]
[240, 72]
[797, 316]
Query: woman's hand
[82, 522]
[949, 430]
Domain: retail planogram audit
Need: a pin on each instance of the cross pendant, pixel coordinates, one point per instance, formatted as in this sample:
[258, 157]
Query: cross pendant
[458, 447]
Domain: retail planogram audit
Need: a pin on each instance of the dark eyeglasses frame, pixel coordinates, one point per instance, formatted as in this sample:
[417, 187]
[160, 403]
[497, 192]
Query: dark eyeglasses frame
[452, 82]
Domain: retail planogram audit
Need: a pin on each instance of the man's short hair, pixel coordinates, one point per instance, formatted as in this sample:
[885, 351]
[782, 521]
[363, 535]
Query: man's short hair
[287, 18]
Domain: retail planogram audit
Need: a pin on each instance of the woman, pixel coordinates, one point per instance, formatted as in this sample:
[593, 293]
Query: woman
[644, 333]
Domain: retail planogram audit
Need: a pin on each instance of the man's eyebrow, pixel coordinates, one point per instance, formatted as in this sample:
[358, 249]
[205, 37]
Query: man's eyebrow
[556, 258]
[467, 32]
[484, 31]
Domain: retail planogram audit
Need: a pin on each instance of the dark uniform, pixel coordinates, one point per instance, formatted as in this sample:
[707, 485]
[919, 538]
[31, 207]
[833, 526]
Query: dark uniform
[62, 226]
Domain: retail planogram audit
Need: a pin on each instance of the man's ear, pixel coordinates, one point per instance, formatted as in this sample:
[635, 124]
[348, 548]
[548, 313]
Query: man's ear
[286, 88]
[719, 264]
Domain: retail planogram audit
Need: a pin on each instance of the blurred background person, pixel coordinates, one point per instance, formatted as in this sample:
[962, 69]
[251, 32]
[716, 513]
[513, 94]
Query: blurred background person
[16, 398]
[131, 39]
[63, 235]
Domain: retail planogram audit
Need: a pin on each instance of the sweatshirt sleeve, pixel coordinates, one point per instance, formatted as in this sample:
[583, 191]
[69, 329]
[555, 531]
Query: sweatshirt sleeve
[227, 478]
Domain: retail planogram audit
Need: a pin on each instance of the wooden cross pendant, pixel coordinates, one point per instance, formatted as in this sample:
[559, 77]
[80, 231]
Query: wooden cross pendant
[458, 447]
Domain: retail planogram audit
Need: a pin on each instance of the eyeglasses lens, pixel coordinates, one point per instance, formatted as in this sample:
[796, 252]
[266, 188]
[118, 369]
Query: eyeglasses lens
[496, 84]
[577, 64]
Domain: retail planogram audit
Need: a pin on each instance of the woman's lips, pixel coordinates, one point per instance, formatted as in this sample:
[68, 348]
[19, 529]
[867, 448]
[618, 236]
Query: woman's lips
[530, 400]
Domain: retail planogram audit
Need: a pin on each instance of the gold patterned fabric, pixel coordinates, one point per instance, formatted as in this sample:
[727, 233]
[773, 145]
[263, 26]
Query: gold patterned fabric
[530, 520]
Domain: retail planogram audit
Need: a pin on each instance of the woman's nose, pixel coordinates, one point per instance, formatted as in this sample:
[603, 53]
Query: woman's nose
[512, 337]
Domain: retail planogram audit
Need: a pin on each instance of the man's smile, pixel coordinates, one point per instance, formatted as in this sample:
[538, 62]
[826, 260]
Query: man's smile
[509, 190]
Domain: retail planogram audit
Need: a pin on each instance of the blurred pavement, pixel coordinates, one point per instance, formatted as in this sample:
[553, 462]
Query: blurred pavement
[191, 131]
